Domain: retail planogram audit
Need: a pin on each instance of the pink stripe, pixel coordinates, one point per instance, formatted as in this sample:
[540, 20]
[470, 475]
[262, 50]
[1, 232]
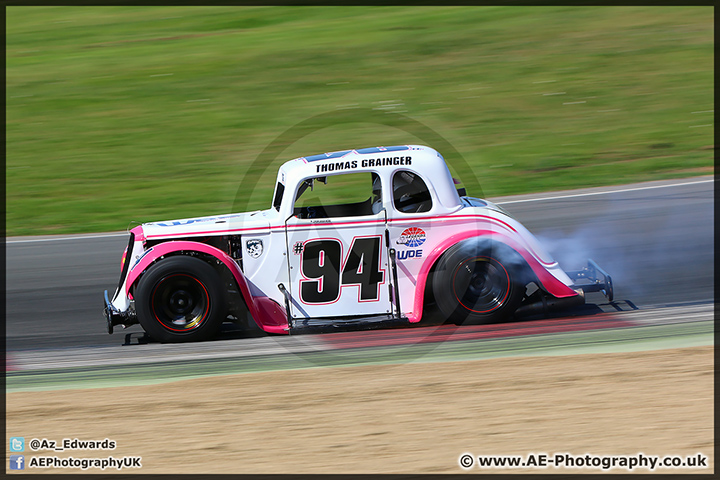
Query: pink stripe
[445, 218]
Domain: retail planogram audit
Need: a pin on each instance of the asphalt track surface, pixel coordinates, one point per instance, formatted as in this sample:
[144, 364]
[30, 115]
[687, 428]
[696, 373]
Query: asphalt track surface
[655, 239]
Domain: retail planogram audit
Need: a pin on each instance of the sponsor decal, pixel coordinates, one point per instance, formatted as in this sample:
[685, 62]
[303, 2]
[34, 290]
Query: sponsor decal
[383, 149]
[325, 156]
[140, 257]
[412, 237]
[407, 254]
[254, 247]
[178, 223]
[363, 151]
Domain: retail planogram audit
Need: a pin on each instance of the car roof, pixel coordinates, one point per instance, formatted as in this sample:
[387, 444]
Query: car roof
[423, 160]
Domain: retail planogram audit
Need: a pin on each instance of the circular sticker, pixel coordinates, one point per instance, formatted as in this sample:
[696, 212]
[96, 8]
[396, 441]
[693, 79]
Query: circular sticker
[412, 237]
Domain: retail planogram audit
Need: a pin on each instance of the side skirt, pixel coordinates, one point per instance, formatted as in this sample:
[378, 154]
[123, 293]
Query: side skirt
[323, 325]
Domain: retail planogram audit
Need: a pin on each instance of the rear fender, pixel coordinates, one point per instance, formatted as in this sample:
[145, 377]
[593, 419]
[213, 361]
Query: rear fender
[547, 280]
[266, 312]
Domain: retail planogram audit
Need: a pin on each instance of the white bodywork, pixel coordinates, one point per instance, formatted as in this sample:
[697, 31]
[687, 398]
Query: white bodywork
[270, 239]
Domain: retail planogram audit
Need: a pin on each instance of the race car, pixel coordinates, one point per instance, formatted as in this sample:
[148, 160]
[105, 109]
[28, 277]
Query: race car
[355, 238]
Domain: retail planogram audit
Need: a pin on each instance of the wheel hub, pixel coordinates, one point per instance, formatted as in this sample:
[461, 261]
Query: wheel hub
[181, 302]
[481, 285]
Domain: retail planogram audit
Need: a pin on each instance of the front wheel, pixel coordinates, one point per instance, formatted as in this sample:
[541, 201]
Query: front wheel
[477, 282]
[180, 299]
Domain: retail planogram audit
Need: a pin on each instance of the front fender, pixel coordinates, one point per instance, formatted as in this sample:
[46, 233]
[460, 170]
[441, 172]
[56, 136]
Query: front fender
[268, 318]
[547, 280]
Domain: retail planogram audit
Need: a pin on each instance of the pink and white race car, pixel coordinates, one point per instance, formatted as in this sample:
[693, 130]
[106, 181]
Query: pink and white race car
[363, 238]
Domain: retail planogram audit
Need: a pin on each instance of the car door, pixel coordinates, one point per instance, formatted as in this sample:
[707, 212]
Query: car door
[410, 217]
[337, 253]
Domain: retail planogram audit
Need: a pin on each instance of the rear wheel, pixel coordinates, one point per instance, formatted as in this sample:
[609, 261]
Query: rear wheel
[180, 299]
[478, 282]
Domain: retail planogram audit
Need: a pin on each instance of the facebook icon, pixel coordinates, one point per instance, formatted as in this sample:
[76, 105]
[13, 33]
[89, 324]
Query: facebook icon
[17, 462]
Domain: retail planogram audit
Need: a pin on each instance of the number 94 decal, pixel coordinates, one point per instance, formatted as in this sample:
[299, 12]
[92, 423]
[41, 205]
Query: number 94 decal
[325, 271]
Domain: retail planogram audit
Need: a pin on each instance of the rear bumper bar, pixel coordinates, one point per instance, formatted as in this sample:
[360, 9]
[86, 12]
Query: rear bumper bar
[594, 279]
[114, 317]
[590, 279]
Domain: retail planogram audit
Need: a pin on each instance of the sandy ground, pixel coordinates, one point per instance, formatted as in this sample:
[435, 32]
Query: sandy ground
[411, 418]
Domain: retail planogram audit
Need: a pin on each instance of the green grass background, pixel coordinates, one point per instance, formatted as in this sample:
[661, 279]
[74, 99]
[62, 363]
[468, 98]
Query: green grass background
[152, 113]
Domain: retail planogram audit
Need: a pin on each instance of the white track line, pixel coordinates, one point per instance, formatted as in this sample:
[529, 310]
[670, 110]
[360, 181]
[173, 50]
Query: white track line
[74, 237]
[606, 192]
[538, 199]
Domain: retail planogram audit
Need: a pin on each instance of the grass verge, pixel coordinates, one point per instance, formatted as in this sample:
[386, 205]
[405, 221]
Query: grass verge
[149, 113]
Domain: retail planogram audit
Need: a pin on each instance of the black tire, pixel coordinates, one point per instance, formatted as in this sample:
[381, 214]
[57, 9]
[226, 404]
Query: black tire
[479, 281]
[180, 299]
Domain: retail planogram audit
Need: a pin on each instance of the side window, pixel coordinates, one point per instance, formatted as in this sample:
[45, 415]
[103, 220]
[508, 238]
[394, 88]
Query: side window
[410, 194]
[345, 195]
[279, 190]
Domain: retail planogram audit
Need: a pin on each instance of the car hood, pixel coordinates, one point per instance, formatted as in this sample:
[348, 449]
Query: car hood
[481, 202]
[230, 224]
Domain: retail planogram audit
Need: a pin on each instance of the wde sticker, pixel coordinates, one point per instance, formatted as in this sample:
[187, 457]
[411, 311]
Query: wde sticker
[411, 237]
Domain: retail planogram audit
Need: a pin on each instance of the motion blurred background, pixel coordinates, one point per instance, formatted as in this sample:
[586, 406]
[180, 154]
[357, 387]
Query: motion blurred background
[148, 113]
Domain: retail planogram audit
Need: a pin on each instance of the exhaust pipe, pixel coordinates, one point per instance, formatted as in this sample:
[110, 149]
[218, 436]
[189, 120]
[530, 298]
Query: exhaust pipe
[543, 304]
